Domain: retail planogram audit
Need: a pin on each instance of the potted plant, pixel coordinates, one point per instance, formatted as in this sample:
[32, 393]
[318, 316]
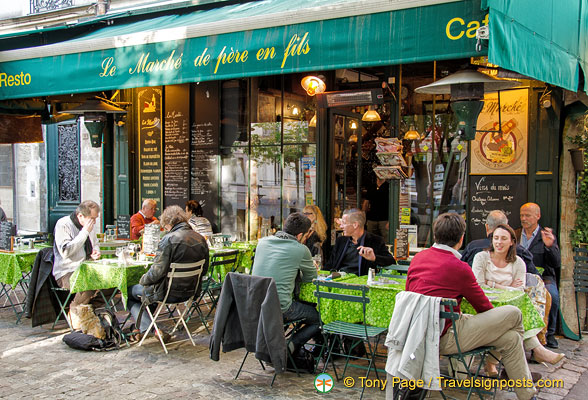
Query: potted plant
[580, 140]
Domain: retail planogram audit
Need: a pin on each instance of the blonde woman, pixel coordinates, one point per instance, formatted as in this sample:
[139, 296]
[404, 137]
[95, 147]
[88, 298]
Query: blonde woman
[318, 229]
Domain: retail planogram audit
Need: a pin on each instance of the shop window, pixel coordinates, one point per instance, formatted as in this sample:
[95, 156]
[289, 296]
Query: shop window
[6, 165]
[267, 164]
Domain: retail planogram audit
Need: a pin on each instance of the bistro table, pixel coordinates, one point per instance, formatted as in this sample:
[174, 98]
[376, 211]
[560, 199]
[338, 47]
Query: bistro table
[15, 266]
[107, 273]
[382, 296]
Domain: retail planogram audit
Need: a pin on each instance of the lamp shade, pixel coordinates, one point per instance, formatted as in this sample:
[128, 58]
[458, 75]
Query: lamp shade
[479, 82]
[312, 122]
[313, 85]
[412, 135]
[371, 115]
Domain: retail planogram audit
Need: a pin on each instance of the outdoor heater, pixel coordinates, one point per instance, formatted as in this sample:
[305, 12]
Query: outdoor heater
[95, 112]
[467, 88]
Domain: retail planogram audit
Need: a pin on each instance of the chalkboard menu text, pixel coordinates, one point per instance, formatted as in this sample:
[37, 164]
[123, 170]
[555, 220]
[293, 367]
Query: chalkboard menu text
[494, 192]
[149, 127]
[123, 226]
[7, 232]
[177, 145]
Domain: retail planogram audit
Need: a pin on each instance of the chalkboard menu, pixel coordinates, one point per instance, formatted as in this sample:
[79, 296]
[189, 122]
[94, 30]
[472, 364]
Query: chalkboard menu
[177, 145]
[204, 137]
[123, 226]
[149, 112]
[401, 247]
[494, 192]
[7, 231]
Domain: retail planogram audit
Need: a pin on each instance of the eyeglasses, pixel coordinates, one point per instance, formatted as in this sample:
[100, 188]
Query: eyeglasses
[308, 213]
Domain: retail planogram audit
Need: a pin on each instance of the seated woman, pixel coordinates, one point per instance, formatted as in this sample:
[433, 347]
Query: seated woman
[500, 267]
[196, 220]
[318, 229]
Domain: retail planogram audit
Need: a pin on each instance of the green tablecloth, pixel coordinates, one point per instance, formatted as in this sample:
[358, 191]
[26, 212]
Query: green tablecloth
[13, 265]
[379, 310]
[106, 274]
[244, 264]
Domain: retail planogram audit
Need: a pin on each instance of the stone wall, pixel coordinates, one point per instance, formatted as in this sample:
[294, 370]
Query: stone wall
[568, 219]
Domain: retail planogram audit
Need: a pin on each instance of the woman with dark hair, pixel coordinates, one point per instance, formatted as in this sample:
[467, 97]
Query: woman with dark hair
[500, 267]
[199, 223]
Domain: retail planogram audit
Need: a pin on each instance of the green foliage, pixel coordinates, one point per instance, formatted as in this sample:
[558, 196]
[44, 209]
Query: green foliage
[579, 233]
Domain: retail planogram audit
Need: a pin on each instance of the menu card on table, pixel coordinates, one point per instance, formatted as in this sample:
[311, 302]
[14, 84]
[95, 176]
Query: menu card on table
[150, 238]
[123, 225]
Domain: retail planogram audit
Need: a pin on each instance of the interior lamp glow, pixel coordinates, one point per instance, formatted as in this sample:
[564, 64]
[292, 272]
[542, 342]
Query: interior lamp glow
[353, 125]
[412, 134]
[371, 115]
[312, 122]
[313, 85]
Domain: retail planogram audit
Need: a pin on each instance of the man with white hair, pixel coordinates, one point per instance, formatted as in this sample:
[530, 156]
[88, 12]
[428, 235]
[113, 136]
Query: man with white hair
[145, 216]
[495, 218]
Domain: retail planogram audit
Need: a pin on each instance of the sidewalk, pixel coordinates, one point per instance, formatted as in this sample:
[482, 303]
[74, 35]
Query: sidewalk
[35, 363]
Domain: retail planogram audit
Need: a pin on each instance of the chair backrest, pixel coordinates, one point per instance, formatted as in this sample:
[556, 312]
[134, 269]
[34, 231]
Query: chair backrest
[450, 311]
[327, 294]
[401, 271]
[184, 270]
[227, 258]
[581, 270]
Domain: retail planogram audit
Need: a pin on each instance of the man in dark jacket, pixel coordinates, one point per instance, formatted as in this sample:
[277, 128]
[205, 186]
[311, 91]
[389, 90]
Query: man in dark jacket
[495, 218]
[357, 250]
[180, 245]
[541, 242]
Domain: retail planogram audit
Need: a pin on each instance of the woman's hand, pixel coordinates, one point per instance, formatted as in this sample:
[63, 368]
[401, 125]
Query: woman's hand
[517, 283]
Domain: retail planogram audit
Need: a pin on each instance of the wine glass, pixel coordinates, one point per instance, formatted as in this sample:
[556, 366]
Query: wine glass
[131, 250]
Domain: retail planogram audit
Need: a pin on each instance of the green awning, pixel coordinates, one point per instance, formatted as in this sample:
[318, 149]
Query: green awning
[546, 40]
[252, 39]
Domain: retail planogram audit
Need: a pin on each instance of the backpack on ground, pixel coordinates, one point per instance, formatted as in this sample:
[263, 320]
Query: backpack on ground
[81, 341]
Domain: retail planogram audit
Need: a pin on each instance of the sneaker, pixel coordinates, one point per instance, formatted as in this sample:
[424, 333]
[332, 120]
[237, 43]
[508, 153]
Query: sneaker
[166, 337]
[552, 342]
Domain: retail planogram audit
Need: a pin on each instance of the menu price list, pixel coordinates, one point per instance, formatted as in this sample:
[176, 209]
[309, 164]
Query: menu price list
[150, 157]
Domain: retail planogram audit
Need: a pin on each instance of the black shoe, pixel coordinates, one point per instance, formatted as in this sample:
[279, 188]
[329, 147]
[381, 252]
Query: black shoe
[552, 342]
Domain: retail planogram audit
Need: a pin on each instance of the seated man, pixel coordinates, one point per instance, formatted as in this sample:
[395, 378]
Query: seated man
[180, 245]
[495, 218]
[74, 242]
[145, 216]
[439, 272]
[541, 242]
[282, 257]
[357, 250]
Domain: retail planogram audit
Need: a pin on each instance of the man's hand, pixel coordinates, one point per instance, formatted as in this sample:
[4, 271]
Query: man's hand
[367, 253]
[89, 224]
[547, 236]
[95, 254]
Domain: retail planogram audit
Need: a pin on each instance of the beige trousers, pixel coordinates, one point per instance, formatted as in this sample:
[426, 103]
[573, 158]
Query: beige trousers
[501, 327]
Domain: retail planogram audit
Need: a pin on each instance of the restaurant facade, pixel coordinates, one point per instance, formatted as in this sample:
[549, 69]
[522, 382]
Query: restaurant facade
[219, 110]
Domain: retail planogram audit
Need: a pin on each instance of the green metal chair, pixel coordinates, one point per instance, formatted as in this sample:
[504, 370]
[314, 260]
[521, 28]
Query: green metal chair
[63, 297]
[212, 284]
[360, 334]
[580, 283]
[465, 359]
[394, 271]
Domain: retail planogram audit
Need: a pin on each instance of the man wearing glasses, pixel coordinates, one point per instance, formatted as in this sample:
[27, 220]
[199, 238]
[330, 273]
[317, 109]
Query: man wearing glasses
[357, 250]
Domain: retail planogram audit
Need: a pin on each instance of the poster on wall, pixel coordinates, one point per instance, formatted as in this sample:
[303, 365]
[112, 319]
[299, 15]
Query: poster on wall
[150, 154]
[505, 152]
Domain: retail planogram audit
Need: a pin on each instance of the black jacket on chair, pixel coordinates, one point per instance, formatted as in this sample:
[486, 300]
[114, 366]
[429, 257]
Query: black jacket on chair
[180, 245]
[549, 258]
[41, 306]
[383, 256]
[248, 315]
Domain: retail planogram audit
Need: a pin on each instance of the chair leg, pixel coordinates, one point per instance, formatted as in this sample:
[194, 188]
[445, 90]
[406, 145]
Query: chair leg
[243, 363]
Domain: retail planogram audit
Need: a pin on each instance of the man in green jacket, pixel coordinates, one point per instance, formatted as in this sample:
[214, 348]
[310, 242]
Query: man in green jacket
[283, 257]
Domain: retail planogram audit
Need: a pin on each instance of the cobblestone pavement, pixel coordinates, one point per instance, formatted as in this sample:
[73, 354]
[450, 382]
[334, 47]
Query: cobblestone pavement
[35, 363]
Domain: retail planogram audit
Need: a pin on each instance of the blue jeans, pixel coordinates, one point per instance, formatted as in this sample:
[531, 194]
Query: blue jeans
[311, 322]
[134, 306]
[551, 287]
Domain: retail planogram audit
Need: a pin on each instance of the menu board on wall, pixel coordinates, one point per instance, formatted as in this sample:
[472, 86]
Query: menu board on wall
[204, 139]
[149, 125]
[494, 192]
[7, 231]
[176, 170]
